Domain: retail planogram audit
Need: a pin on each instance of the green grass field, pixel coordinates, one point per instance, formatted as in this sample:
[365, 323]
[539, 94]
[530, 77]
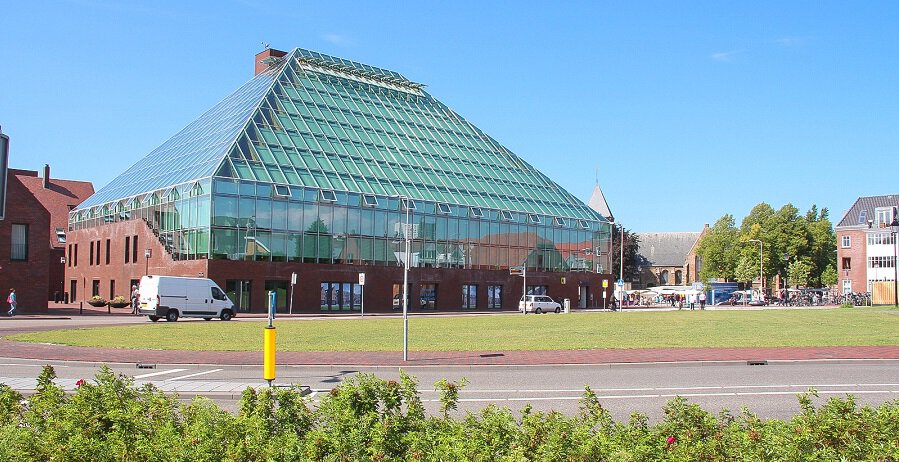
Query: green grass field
[768, 328]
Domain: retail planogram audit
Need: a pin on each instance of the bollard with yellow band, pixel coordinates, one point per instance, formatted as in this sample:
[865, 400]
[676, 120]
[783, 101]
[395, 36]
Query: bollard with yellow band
[268, 342]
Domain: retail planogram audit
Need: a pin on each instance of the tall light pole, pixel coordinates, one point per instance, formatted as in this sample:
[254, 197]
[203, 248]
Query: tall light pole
[894, 229]
[761, 272]
[405, 200]
[621, 270]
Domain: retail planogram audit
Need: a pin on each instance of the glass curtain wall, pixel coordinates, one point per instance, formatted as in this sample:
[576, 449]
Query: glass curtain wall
[229, 219]
[249, 223]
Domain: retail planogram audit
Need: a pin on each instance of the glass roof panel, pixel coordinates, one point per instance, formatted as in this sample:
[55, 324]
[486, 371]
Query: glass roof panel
[338, 124]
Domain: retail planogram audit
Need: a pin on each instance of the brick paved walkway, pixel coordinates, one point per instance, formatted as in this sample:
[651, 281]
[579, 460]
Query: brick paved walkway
[11, 349]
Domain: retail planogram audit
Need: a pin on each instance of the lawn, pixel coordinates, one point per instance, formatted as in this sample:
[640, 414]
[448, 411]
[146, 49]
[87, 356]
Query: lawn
[768, 328]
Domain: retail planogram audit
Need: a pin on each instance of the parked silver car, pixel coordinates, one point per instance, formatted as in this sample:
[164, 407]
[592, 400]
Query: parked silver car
[538, 304]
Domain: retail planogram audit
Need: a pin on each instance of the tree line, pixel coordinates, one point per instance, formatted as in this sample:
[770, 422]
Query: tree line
[800, 248]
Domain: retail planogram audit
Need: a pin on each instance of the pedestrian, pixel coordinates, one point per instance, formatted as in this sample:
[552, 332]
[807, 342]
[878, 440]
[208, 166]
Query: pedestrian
[691, 298]
[12, 302]
[134, 297]
[701, 301]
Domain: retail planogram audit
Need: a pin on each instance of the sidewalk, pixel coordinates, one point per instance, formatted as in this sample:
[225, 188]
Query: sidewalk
[185, 388]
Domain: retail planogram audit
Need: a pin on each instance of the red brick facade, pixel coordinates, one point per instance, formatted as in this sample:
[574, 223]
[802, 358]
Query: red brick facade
[84, 267]
[43, 204]
[378, 292]
[30, 276]
[855, 257]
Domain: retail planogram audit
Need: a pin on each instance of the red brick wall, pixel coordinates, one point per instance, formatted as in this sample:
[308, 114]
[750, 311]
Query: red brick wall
[29, 278]
[267, 53]
[856, 252]
[379, 280]
[378, 295]
[84, 273]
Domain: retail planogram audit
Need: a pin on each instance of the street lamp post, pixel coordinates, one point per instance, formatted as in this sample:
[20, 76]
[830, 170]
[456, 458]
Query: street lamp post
[761, 269]
[786, 276]
[621, 271]
[405, 200]
[894, 230]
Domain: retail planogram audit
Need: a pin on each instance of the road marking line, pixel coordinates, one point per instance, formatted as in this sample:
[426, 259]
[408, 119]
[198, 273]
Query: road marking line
[721, 387]
[29, 365]
[194, 375]
[691, 395]
[153, 374]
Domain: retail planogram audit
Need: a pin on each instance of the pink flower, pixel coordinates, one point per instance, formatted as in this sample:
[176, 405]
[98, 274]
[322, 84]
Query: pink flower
[669, 441]
[79, 383]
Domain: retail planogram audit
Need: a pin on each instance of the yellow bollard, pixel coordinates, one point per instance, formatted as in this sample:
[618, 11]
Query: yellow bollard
[268, 353]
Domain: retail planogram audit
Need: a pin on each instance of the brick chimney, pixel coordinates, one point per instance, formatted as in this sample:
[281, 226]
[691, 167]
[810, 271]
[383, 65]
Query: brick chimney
[46, 176]
[263, 59]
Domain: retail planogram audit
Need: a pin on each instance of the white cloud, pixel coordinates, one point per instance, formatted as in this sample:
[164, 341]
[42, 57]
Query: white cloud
[337, 39]
[725, 56]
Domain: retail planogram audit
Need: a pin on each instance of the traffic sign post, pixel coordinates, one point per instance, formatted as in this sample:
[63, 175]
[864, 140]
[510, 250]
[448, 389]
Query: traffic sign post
[362, 295]
[293, 282]
[523, 272]
[605, 285]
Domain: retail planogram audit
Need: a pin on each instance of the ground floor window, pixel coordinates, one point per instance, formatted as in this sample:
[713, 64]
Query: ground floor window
[239, 293]
[281, 289]
[73, 290]
[469, 296]
[495, 297]
[537, 290]
[112, 293]
[427, 296]
[95, 288]
[342, 296]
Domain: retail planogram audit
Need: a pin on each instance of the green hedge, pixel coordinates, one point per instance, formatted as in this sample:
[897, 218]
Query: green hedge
[369, 419]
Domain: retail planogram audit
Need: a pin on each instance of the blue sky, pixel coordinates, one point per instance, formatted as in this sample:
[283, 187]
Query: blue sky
[687, 110]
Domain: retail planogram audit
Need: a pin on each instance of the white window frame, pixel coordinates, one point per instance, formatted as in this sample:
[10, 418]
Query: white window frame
[846, 242]
[369, 200]
[886, 213]
[281, 191]
[327, 195]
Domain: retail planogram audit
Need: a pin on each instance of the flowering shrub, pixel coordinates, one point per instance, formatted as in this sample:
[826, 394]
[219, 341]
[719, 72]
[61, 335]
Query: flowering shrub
[369, 419]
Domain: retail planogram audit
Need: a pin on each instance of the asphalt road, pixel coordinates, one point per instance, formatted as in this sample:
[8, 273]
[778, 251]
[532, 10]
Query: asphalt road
[769, 390]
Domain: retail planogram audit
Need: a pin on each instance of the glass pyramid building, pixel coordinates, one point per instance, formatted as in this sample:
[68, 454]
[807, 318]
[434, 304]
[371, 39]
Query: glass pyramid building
[317, 159]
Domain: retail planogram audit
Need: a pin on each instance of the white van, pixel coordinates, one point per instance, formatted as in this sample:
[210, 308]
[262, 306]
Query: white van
[172, 297]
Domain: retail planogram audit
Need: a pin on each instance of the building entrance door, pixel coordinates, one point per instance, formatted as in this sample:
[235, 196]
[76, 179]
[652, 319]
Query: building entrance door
[239, 293]
[583, 296]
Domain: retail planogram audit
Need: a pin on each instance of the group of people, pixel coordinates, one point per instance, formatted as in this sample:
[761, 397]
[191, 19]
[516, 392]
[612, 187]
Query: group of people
[690, 299]
[13, 303]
